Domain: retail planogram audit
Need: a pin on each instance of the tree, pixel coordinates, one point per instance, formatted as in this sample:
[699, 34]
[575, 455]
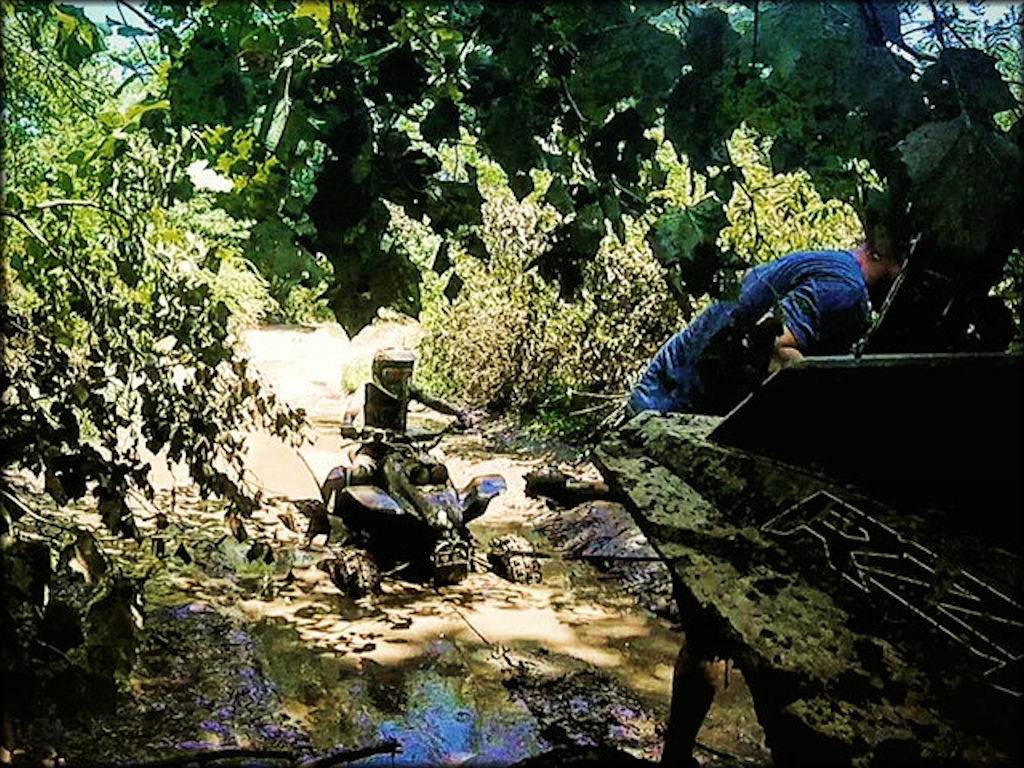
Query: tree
[319, 112]
[322, 115]
[114, 334]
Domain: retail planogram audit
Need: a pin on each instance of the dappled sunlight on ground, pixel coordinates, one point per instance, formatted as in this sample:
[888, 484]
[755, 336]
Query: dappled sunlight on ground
[250, 643]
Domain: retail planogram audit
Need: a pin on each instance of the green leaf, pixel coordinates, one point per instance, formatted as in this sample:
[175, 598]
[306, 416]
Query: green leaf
[698, 118]
[558, 196]
[205, 84]
[785, 29]
[510, 125]
[12, 201]
[136, 112]
[77, 37]
[127, 30]
[632, 61]
[966, 80]
[614, 148]
[961, 199]
[65, 183]
[400, 77]
[453, 287]
[273, 249]
[368, 277]
[521, 185]
[452, 204]
[684, 240]
[441, 122]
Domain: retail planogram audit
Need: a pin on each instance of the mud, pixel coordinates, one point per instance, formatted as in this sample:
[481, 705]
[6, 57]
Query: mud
[605, 535]
[264, 652]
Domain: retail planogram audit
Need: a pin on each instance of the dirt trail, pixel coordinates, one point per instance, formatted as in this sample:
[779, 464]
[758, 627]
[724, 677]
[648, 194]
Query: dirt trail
[263, 651]
[489, 629]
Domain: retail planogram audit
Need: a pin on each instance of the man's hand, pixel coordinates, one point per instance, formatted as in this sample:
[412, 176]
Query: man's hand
[467, 418]
[786, 351]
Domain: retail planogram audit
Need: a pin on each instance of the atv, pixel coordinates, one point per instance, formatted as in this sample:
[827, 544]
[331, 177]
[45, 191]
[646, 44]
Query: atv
[400, 510]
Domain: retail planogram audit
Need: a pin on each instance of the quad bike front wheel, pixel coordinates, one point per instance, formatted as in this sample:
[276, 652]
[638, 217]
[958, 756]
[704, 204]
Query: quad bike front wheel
[512, 558]
[355, 573]
[451, 561]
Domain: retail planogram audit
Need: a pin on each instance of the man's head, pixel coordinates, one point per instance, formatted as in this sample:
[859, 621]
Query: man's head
[889, 232]
[880, 267]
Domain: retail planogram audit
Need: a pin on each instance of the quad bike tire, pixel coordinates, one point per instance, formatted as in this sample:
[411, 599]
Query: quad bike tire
[451, 561]
[355, 573]
[511, 556]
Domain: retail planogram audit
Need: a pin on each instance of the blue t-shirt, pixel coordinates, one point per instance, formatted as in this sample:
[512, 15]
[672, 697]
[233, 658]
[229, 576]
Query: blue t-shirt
[823, 300]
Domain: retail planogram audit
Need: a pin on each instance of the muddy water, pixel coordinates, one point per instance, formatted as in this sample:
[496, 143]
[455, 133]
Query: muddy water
[482, 672]
[270, 654]
[454, 674]
[437, 705]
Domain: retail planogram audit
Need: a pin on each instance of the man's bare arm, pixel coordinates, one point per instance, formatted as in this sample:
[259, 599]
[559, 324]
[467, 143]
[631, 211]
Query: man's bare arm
[786, 351]
[439, 405]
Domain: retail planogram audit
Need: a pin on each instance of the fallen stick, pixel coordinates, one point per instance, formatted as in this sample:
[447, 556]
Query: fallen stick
[391, 746]
[196, 758]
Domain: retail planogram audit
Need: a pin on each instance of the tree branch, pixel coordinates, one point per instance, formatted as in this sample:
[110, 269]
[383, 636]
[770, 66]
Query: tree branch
[757, 27]
[427, 46]
[391, 746]
[46, 244]
[939, 18]
[84, 204]
[149, 22]
[135, 40]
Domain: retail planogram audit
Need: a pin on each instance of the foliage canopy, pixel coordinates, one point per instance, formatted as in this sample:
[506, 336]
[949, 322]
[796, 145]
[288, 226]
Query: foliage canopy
[320, 120]
[318, 113]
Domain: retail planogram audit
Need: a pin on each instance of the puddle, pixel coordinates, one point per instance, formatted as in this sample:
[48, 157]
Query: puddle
[434, 706]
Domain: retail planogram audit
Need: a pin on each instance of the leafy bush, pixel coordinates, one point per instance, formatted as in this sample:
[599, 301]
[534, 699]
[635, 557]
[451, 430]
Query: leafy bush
[511, 341]
[127, 290]
[772, 214]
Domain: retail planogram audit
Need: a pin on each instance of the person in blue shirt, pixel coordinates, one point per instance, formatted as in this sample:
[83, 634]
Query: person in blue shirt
[810, 302]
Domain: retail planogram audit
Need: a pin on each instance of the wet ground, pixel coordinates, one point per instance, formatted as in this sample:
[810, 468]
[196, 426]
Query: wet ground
[264, 651]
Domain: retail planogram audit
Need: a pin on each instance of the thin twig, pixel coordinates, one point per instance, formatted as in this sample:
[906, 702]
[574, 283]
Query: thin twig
[83, 204]
[53, 649]
[592, 409]
[758, 237]
[149, 22]
[427, 46]
[389, 747]
[135, 40]
[595, 395]
[627, 191]
[572, 103]
[199, 758]
[316, 481]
